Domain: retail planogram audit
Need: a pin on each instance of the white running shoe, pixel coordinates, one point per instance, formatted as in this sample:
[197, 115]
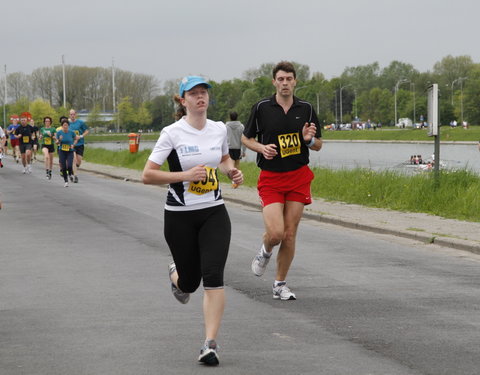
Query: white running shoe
[24, 170]
[259, 263]
[29, 168]
[181, 297]
[283, 292]
[66, 184]
[208, 353]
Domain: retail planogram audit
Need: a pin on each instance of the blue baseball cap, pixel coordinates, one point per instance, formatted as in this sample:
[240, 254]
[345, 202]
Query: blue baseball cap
[189, 82]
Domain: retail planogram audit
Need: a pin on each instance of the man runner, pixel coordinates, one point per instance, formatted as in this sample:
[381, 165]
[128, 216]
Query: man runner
[81, 130]
[24, 134]
[282, 129]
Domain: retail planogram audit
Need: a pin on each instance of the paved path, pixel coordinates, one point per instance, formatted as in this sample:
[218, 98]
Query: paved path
[84, 290]
[462, 235]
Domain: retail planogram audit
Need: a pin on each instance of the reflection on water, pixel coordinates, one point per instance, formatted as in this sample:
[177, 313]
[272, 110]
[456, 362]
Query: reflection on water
[377, 156]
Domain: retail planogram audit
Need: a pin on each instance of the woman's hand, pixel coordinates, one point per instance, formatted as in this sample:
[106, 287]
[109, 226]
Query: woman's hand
[236, 176]
[197, 173]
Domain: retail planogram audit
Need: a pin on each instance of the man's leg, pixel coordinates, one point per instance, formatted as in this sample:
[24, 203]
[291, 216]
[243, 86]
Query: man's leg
[24, 159]
[273, 219]
[292, 214]
[28, 155]
[77, 161]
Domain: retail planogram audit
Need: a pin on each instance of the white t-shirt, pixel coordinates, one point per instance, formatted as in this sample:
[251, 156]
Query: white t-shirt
[185, 147]
[2, 133]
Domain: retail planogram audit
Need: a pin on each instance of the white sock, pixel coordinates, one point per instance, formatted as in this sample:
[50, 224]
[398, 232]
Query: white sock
[265, 253]
[277, 283]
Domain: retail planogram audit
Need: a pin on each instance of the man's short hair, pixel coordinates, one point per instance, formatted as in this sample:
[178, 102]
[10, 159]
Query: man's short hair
[233, 116]
[286, 67]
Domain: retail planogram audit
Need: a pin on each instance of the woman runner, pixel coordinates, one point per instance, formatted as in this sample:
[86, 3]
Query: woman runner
[197, 226]
[47, 134]
[66, 140]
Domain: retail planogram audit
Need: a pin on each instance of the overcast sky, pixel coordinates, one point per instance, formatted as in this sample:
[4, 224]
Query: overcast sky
[222, 39]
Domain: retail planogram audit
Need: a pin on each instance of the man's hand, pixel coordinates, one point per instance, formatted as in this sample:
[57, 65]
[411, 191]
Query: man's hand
[309, 131]
[269, 151]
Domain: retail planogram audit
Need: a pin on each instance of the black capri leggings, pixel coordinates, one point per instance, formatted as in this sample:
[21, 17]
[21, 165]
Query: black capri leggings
[199, 242]
[65, 159]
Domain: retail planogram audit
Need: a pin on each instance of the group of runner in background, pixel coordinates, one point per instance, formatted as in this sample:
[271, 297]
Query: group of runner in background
[26, 139]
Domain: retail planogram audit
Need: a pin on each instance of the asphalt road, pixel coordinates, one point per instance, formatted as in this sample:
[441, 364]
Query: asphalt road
[84, 290]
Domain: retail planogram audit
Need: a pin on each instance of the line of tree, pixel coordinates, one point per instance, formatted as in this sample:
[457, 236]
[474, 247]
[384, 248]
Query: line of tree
[366, 91]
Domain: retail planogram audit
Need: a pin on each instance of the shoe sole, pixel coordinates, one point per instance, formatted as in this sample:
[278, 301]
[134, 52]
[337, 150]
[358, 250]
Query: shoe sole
[291, 298]
[210, 358]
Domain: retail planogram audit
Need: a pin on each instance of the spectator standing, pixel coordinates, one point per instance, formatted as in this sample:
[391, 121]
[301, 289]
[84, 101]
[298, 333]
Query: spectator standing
[234, 134]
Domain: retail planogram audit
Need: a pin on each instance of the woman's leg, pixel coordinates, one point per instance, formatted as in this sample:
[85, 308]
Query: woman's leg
[70, 162]
[181, 234]
[213, 308]
[50, 161]
[62, 160]
[213, 255]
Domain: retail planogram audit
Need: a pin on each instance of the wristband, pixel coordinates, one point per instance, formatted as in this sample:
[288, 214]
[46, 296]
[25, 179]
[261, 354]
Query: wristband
[311, 143]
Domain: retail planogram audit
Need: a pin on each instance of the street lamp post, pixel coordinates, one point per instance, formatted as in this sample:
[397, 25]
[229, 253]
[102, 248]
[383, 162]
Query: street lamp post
[461, 96]
[64, 87]
[318, 97]
[341, 111]
[412, 84]
[5, 100]
[451, 87]
[297, 89]
[399, 82]
[103, 101]
[356, 105]
[336, 111]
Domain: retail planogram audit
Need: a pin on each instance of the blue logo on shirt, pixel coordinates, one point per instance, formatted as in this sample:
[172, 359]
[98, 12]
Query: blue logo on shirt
[186, 150]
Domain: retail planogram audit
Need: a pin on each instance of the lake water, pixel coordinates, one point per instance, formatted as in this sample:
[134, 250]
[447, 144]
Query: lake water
[373, 155]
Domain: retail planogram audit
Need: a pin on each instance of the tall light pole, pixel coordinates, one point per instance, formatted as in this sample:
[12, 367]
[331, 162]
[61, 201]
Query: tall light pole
[412, 84]
[297, 89]
[341, 111]
[113, 94]
[336, 111]
[318, 97]
[5, 100]
[64, 89]
[453, 83]
[461, 96]
[356, 106]
[395, 93]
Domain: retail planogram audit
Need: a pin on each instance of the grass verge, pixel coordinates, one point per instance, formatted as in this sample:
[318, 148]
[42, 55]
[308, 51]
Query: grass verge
[472, 134]
[455, 195]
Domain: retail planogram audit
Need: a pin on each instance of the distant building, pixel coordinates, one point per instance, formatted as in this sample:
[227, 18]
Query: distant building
[102, 116]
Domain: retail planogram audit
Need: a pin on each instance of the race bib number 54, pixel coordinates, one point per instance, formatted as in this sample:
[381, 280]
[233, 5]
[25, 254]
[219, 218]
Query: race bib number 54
[207, 185]
[289, 144]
